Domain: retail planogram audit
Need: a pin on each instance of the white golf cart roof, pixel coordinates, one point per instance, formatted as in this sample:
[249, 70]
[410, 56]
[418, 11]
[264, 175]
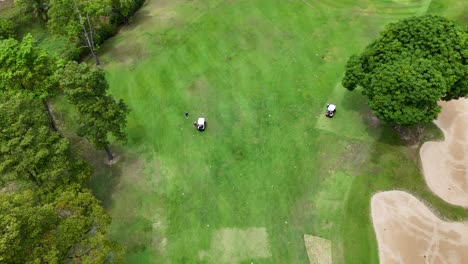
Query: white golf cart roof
[201, 121]
[331, 107]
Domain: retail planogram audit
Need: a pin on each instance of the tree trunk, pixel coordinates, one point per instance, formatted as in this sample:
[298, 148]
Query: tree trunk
[91, 40]
[95, 56]
[46, 16]
[49, 115]
[88, 34]
[108, 152]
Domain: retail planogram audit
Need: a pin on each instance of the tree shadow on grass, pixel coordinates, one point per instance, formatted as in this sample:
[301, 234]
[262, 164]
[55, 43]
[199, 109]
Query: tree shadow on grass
[105, 177]
[114, 185]
[412, 136]
[356, 102]
[388, 167]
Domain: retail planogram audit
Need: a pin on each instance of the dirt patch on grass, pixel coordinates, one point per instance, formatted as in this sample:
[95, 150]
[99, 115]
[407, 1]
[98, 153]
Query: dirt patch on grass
[408, 232]
[235, 245]
[198, 89]
[445, 163]
[5, 4]
[318, 249]
[330, 55]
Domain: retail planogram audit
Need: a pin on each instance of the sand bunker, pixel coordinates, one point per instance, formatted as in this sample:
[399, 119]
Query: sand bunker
[408, 232]
[445, 163]
[318, 249]
[235, 245]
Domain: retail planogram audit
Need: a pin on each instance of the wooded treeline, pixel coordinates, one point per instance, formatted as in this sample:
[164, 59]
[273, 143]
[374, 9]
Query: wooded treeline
[47, 214]
[83, 24]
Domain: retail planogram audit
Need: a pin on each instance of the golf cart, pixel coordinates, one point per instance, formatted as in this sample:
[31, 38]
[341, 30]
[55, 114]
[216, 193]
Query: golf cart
[331, 109]
[200, 125]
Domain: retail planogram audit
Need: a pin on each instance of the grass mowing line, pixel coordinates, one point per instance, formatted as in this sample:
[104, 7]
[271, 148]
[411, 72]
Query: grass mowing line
[250, 169]
[353, 119]
[383, 9]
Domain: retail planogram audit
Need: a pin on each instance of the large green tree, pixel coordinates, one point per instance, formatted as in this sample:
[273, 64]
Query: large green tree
[412, 65]
[81, 233]
[100, 115]
[70, 228]
[30, 152]
[80, 20]
[46, 216]
[24, 227]
[28, 69]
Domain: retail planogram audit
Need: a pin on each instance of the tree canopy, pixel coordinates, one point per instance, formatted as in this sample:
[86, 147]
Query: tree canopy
[46, 216]
[31, 152]
[100, 115]
[80, 20]
[27, 68]
[24, 224]
[70, 228]
[412, 65]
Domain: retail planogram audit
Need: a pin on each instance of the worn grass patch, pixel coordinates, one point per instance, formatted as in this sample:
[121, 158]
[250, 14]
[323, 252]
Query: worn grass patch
[235, 245]
[5, 5]
[318, 249]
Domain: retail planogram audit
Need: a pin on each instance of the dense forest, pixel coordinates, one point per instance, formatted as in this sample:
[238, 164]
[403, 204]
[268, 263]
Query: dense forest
[47, 214]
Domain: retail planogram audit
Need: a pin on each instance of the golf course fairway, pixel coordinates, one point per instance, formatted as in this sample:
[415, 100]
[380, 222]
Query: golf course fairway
[270, 166]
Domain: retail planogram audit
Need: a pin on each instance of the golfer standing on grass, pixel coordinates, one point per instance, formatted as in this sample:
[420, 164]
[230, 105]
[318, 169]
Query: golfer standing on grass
[186, 115]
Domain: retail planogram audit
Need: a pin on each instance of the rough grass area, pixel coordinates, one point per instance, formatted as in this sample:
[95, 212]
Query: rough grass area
[5, 5]
[234, 245]
[270, 167]
[318, 249]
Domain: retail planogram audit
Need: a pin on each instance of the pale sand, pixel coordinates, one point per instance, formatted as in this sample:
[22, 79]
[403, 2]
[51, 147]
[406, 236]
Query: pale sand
[408, 232]
[319, 250]
[445, 163]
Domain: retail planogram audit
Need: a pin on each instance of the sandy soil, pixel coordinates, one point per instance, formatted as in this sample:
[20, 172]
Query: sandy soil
[445, 163]
[408, 232]
[319, 250]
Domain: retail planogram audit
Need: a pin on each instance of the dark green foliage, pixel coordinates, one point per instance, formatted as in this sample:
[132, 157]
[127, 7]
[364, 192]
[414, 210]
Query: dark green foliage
[27, 68]
[81, 233]
[34, 8]
[45, 214]
[89, 22]
[413, 64]
[7, 29]
[100, 115]
[354, 73]
[71, 227]
[123, 9]
[31, 152]
[24, 225]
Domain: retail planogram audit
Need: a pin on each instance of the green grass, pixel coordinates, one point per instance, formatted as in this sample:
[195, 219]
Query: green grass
[261, 72]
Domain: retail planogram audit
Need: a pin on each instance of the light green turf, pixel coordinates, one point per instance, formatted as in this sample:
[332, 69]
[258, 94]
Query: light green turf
[261, 72]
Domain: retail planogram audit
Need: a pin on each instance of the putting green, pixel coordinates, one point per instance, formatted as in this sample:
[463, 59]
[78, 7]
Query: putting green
[269, 165]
